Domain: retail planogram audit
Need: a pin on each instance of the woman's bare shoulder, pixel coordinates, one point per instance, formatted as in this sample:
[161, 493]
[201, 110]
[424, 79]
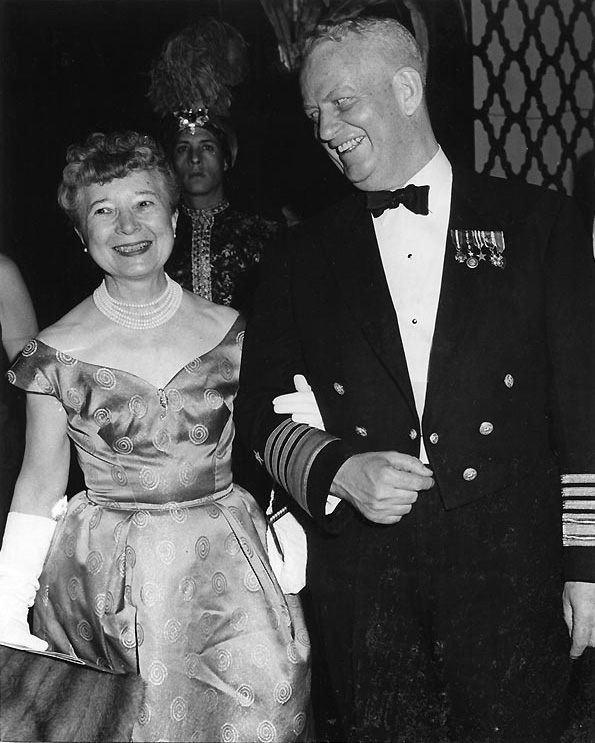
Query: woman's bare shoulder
[203, 310]
[7, 265]
[72, 331]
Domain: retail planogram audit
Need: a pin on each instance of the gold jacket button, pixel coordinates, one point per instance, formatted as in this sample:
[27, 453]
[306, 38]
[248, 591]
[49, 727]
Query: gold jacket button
[469, 474]
[339, 389]
[486, 428]
[509, 380]
[434, 438]
[413, 434]
[361, 431]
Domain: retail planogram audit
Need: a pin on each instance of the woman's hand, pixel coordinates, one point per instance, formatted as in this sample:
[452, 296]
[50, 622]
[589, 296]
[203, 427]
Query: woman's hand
[301, 404]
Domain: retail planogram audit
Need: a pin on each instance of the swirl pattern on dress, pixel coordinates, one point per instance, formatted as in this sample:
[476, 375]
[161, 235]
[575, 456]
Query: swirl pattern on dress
[84, 630]
[138, 406]
[65, 359]
[166, 552]
[266, 732]
[187, 588]
[157, 673]
[118, 475]
[178, 709]
[148, 478]
[213, 399]
[30, 348]
[123, 445]
[102, 416]
[282, 692]
[229, 733]
[198, 434]
[175, 400]
[150, 594]
[74, 399]
[202, 547]
[105, 378]
[172, 631]
[193, 367]
[245, 695]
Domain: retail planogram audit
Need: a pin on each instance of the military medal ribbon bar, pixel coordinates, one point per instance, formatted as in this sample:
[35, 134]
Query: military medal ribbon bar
[474, 246]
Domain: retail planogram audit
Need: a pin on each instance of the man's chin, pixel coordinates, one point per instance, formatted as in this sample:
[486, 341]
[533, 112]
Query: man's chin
[364, 182]
[193, 190]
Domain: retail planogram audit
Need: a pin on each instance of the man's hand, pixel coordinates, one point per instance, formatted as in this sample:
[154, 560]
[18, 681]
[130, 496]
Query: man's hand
[383, 485]
[578, 601]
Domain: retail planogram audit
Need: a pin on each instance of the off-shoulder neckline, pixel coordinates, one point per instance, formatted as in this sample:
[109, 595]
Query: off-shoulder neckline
[200, 357]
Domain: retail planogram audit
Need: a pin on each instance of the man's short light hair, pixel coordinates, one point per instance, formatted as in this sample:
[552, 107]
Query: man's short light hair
[396, 44]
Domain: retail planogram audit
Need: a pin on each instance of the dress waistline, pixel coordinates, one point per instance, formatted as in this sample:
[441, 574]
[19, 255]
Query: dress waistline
[100, 500]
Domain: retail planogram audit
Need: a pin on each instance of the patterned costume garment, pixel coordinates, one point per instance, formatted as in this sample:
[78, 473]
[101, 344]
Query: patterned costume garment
[217, 251]
[159, 567]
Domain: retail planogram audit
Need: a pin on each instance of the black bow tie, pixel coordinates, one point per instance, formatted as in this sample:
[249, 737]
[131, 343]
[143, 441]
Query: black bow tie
[415, 198]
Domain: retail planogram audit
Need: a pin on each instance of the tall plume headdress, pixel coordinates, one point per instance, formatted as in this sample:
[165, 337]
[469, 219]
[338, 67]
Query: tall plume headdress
[194, 76]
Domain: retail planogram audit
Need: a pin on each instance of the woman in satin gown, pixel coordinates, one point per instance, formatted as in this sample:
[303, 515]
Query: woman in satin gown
[158, 567]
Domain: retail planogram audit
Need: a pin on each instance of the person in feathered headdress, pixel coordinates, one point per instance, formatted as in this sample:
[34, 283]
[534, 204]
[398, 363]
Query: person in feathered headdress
[192, 82]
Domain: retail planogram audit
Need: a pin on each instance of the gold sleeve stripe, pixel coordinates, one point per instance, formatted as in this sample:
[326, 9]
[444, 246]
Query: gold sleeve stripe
[578, 479]
[289, 454]
[578, 504]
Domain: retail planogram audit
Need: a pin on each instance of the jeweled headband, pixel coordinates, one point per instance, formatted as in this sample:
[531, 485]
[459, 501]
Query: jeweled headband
[191, 118]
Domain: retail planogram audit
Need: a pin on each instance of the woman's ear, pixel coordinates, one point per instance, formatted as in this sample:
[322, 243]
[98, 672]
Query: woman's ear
[82, 239]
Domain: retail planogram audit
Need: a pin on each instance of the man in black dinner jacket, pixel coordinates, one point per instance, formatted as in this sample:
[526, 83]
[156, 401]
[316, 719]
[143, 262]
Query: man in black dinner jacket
[448, 334]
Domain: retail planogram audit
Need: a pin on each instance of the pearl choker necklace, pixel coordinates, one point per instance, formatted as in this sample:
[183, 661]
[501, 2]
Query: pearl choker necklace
[140, 316]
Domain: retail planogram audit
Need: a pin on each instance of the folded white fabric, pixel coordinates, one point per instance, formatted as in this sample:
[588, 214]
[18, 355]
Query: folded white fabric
[25, 546]
[288, 551]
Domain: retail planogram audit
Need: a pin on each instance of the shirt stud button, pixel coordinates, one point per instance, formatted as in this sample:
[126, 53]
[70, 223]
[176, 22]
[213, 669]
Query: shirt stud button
[361, 431]
[486, 428]
[469, 474]
[339, 389]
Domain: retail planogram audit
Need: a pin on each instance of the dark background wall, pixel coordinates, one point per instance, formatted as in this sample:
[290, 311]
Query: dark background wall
[70, 67]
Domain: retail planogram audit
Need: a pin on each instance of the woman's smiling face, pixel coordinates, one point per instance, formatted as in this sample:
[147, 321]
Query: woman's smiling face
[127, 224]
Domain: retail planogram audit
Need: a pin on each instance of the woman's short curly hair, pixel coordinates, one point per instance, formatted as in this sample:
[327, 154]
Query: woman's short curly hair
[104, 157]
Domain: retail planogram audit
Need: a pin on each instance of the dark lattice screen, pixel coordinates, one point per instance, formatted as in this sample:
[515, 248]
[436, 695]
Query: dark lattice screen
[534, 79]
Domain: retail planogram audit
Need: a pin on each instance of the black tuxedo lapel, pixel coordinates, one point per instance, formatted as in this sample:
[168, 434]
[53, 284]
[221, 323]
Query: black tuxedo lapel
[462, 288]
[356, 262]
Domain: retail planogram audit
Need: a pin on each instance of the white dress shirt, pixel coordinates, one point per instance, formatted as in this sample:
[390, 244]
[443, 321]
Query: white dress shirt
[412, 248]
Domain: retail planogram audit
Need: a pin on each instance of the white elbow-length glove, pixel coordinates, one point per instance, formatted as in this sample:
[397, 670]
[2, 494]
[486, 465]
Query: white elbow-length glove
[286, 540]
[301, 404]
[24, 549]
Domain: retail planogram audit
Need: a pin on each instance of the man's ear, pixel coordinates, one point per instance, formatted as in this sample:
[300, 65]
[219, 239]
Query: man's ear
[409, 89]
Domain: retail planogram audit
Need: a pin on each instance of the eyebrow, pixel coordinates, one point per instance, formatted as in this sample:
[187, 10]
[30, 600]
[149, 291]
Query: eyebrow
[136, 193]
[202, 140]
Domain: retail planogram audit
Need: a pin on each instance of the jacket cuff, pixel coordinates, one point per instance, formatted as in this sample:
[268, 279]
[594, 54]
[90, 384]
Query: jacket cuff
[304, 461]
[579, 564]
[578, 527]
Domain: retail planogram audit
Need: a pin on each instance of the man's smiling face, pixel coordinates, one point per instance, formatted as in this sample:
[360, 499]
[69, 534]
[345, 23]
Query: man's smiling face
[351, 95]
